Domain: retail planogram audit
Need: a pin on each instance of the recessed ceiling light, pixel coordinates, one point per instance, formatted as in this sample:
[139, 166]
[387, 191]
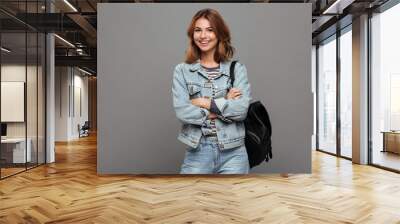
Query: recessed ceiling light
[64, 40]
[86, 72]
[337, 7]
[70, 5]
[5, 49]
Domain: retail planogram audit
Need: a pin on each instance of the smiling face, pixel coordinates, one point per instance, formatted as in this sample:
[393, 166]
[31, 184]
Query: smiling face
[204, 36]
[208, 36]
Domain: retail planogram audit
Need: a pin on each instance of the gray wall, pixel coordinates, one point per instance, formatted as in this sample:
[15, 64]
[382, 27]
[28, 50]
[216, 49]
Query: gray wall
[138, 48]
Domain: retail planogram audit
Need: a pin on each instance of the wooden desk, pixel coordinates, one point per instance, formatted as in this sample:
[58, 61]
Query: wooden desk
[391, 141]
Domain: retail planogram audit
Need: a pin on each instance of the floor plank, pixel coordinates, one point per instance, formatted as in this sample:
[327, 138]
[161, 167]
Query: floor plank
[69, 191]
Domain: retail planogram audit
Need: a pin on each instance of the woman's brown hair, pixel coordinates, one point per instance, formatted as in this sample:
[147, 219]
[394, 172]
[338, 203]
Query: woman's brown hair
[224, 49]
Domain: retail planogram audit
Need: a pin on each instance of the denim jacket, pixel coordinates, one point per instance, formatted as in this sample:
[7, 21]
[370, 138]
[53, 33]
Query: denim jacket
[189, 82]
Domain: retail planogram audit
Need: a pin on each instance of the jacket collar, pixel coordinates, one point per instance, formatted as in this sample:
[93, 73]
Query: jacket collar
[224, 67]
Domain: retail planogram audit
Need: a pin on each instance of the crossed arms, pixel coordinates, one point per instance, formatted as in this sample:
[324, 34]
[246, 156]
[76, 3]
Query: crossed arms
[233, 107]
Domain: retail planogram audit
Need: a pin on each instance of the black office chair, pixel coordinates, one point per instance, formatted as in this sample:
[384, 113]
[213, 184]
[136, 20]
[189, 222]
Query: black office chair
[84, 130]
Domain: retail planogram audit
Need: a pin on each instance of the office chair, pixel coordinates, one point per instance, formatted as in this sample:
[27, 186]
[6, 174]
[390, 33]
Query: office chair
[84, 130]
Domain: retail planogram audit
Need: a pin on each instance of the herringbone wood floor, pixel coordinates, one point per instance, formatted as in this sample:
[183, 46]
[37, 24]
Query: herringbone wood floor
[69, 191]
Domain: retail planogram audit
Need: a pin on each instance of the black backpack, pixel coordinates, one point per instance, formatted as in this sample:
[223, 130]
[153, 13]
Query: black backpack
[258, 130]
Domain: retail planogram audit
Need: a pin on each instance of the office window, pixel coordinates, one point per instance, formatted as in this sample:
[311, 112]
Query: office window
[346, 92]
[385, 88]
[327, 95]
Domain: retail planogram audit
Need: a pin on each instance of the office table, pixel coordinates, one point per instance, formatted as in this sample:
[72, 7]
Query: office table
[391, 141]
[13, 150]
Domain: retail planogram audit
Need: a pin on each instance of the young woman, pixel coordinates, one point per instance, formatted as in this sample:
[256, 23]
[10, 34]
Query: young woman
[211, 110]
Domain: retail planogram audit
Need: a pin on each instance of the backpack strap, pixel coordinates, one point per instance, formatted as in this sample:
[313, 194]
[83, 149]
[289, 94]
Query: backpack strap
[232, 72]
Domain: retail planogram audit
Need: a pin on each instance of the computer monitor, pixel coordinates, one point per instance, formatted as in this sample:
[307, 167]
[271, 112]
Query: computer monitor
[3, 129]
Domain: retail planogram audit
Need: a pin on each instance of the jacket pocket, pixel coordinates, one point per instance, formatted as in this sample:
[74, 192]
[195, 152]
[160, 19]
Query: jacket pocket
[194, 88]
[221, 92]
[221, 88]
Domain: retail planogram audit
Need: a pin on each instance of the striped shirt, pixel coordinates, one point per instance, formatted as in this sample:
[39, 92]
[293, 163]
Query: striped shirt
[209, 128]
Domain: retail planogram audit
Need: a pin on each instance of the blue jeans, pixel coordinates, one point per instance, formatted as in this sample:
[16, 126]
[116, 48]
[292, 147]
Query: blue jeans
[207, 158]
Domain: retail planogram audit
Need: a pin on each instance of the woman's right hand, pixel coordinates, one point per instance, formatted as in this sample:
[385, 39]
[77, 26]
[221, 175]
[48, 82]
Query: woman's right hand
[212, 116]
[234, 93]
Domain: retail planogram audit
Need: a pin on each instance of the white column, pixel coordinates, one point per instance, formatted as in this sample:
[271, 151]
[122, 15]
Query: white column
[360, 90]
[50, 100]
[50, 92]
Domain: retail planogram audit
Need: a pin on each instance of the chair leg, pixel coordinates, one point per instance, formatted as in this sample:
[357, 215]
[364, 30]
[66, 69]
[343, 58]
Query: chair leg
[286, 175]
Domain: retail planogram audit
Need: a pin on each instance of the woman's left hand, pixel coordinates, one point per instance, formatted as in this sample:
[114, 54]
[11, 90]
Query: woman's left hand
[234, 93]
[201, 102]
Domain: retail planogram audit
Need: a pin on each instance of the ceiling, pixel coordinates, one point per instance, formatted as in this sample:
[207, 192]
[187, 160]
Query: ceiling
[76, 22]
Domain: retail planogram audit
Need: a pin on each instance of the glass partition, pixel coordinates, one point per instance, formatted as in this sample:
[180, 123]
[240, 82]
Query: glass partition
[13, 148]
[32, 95]
[41, 87]
[22, 77]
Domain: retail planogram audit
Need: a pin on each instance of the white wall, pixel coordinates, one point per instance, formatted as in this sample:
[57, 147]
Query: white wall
[79, 112]
[16, 73]
[62, 81]
[9, 73]
[71, 87]
[314, 92]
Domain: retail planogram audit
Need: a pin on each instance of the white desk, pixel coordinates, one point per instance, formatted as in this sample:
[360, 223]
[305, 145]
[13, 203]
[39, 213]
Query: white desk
[18, 150]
